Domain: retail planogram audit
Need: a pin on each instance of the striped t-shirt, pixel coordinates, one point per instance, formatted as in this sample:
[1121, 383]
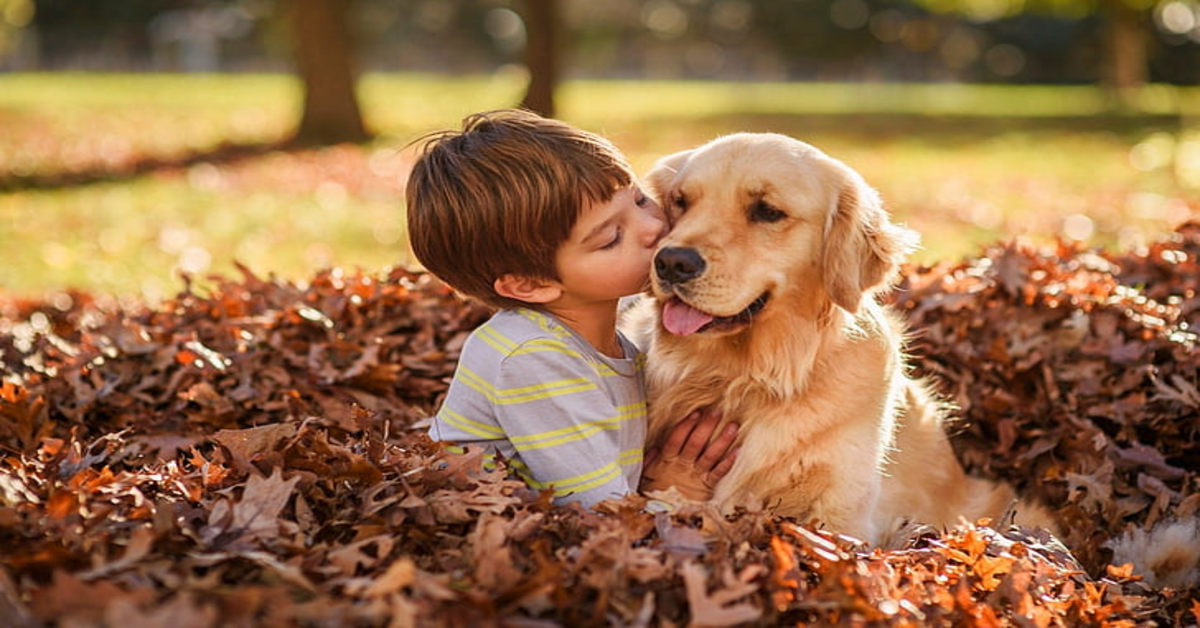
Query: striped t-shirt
[564, 415]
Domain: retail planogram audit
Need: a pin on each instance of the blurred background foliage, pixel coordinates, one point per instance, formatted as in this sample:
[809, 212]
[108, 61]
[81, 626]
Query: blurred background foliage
[142, 139]
[1055, 41]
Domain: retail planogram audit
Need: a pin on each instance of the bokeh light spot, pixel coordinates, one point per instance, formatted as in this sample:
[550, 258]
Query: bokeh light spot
[849, 14]
[665, 19]
[1078, 227]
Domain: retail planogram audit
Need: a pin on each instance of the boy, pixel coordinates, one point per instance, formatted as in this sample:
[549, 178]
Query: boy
[545, 223]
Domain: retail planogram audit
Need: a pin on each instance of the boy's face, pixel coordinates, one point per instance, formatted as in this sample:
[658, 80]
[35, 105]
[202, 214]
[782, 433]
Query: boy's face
[611, 247]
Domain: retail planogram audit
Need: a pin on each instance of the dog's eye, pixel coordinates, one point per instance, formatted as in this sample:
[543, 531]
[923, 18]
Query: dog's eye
[762, 211]
[680, 202]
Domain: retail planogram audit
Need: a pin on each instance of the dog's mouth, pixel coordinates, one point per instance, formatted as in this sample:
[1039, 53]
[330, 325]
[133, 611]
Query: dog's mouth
[681, 319]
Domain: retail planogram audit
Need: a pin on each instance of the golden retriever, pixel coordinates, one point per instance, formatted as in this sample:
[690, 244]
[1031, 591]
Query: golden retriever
[764, 309]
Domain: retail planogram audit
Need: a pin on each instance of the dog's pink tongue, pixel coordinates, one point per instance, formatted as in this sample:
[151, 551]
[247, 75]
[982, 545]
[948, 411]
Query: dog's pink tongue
[681, 319]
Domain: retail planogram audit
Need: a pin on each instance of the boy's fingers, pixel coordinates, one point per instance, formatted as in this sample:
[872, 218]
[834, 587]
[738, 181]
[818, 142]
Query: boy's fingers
[719, 448]
[650, 458]
[679, 435]
[698, 441]
[723, 466]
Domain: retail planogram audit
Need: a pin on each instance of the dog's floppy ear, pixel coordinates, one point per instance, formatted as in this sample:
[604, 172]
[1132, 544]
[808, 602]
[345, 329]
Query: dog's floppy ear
[863, 248]
[659, 179]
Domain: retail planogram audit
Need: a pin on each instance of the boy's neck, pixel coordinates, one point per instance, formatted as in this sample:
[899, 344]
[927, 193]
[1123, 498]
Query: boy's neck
[594, 322]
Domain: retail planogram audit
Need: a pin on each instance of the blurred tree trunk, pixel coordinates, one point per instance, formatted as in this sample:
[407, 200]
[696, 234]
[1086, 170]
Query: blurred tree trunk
[1126, 41]
[324, 53]
[541, 54]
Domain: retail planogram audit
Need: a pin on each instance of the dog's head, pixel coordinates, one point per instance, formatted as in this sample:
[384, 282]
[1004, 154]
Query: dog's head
[764, 221]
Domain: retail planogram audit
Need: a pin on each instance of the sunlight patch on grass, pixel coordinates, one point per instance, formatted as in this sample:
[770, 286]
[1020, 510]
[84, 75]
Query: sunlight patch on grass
[137, 237]
[626, 100]
[669, 99]
[401, 106]
[77, 121]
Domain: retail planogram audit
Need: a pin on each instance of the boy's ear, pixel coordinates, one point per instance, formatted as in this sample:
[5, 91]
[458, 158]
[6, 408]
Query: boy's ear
[527, 289]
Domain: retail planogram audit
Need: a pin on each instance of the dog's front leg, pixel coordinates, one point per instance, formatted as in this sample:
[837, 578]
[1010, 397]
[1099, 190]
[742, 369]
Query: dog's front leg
[849, 506]
[829, 486]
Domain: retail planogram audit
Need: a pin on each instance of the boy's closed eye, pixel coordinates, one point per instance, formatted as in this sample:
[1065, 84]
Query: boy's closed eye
[616, 239]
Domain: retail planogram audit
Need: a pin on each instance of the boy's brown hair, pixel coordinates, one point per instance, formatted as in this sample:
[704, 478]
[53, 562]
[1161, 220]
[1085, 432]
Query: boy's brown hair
[501, 195]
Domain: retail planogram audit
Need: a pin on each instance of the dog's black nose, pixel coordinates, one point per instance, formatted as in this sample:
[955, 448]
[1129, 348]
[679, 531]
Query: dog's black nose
[677, 264]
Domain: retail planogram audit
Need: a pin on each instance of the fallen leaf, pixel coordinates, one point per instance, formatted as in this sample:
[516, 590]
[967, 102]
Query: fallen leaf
[716, 608]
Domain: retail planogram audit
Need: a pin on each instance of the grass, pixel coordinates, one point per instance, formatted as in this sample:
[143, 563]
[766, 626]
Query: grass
[964, 165]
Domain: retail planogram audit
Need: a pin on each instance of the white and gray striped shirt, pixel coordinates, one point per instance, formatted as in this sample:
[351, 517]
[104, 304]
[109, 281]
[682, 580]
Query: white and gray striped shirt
[564, 415]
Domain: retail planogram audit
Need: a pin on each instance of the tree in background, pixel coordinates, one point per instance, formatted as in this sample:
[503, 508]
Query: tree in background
[1042, 41]
[324, 52]
[541, 54]
[1125, 34]
[323, 48]
[14, 16]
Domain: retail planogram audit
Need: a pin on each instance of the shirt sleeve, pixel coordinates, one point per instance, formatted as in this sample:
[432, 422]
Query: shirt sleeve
[464, 417]
[564, 425]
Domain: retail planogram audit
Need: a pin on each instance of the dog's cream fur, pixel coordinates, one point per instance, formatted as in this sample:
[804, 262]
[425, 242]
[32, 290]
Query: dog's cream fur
[832, 426]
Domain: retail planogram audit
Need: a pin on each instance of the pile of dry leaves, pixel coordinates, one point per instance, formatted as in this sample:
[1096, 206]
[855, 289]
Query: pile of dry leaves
[250, 455]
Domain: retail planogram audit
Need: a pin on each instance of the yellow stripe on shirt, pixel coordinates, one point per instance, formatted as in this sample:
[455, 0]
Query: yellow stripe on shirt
[523, 470]
[545, 390]
[506, 346]
[522, 394]
[475, 428]
[545, 323]
[585, 481]
[572, 433]
[631, 457]
[582, 482]
[480, 385]
[541, 345]
[495, 339]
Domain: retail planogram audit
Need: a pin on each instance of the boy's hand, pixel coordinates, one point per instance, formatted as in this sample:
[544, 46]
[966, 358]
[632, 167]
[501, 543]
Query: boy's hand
[688, 460]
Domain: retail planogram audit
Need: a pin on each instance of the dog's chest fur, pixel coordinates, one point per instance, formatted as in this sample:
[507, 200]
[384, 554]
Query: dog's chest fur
[817, 408]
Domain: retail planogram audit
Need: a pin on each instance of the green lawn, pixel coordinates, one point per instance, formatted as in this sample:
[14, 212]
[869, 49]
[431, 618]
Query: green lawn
[964, 165]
